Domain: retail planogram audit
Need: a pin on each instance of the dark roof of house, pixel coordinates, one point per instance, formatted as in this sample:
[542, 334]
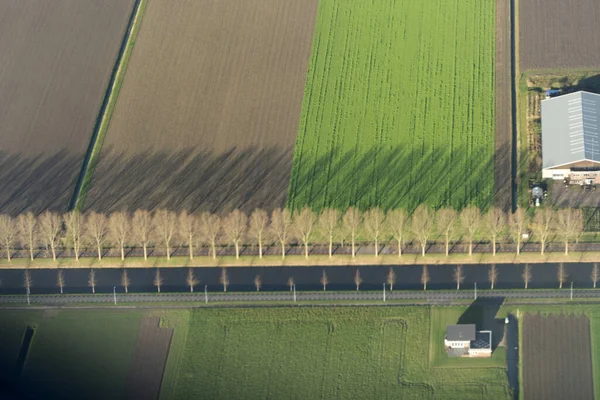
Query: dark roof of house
[570, 131]
[460, 332]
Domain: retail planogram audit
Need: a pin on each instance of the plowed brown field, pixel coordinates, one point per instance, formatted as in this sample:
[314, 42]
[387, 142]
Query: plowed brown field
[557, 361]
[559, 34]
[56, 59]
[208, 112]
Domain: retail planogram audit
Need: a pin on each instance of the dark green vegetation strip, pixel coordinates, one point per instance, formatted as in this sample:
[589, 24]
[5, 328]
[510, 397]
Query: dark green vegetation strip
[333, 353]
[398, 107]
[114, 88]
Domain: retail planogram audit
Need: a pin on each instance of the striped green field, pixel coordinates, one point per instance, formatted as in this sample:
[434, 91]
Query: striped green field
[399, 106]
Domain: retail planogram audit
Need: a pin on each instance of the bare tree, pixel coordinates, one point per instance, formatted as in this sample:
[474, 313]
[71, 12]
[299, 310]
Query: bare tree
[75, 231]
[495, 224]
[257, 282]
[561, 275]
[92, 280]
[543, 222]
[224, 279]
[141, 225]
[191, 280]
[188, 230]
[493, 275]
[235, 226]
[27, 281]
[424, 277]
[374, 224]
[391, 278]
[60, 280]
[281, 227]
[357, 279]
[96, 225]
[458, 276]
[422, 226]
[324, 280]
[28, 232]
[397, 222]
[595, 274]
[50, 229]
[446, 222]
[470, 219]
[165, 225]
[518, 224]
[352, 220]
[158, 280]
[125, 281]
[291, 282]
[211, 229]
[569, 224]
[119, 227]
[329, 222]
[8, 233]
[259, 221]
[526, 275]
[304, 224]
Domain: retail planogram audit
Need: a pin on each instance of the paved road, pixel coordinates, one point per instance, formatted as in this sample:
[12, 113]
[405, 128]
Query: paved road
[433, 297]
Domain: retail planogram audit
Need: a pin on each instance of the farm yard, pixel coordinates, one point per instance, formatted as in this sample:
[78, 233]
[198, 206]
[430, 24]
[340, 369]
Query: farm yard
[54, 71]
[557, 357]
[557, 34]
[350, 352]
[208, 111]
[398, 107]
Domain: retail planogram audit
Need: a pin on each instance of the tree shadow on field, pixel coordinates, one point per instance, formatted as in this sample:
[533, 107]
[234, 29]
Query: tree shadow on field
[191, 179]
[394, 177]
[37, 183]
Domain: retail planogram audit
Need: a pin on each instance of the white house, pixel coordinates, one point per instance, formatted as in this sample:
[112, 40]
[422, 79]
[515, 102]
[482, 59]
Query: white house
[465, 341]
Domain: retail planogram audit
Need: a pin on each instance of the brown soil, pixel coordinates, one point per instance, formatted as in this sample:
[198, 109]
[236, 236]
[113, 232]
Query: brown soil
[149, 359]
[208, 112]
[55, 64]
[503, 138]
[559, 34]
[557, 361]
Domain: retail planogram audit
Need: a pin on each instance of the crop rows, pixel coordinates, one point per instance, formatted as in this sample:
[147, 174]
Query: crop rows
[398, 107]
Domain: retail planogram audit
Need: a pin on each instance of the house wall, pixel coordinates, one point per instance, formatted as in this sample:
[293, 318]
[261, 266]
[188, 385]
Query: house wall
[558, 174]
[457, 344]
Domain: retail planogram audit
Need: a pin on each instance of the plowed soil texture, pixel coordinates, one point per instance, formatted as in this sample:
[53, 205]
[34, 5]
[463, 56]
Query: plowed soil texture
[557, 361]
[56, 59]
[149, 358]
[558, 34]
[208, 112]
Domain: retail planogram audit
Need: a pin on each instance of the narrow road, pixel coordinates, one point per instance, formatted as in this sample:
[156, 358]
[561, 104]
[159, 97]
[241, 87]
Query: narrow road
[437, 297]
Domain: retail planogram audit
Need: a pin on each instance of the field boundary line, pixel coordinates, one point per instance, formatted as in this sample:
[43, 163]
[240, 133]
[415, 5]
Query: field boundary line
[108, 105]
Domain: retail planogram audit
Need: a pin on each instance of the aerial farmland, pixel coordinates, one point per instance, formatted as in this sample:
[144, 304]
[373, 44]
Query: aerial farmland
[54, 70]
[208, 112]
[399, 106]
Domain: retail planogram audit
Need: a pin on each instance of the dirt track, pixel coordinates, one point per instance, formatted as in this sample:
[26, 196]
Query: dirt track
[149, 359]
[503, 136]
[208, 113]
[559, 34]
[56, 60]
[557, 361]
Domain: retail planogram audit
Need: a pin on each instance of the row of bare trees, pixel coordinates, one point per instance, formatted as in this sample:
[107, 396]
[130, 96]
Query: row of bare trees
[191, 280]
[168, 229]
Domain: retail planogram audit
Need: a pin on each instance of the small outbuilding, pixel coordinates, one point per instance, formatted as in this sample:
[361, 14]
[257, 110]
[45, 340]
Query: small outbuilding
[464, 340]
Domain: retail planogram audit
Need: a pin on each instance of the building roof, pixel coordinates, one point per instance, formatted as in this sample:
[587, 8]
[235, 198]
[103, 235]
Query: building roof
[570, 129]
[460, 333]
[483, 340]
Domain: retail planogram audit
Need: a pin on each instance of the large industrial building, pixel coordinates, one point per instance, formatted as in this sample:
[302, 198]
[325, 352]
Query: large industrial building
[571, 138]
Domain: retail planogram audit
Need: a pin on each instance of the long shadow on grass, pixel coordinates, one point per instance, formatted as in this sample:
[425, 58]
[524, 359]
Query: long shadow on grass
[482, 312]
[30, 183]
[393, 177]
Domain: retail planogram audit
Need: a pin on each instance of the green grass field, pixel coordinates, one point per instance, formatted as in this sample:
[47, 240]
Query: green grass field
[398, 106]
[333, 353]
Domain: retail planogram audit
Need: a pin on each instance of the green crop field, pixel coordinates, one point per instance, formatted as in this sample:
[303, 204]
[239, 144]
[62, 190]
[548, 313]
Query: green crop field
[399, 106]
[332, 353]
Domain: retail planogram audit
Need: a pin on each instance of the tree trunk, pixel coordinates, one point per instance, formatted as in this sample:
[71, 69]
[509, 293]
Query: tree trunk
[8, 252]
[494, 246]
[526, 284]
[458, 285]
[425, 286]
[543, 245]
[306, 249]
[145, 252]
[75, 250]
[237, 250]
[330, 246]
[122, 252]
[470, 247]
[376, 248]
[168, 250]
[492, 285]
[594, 284]
[259, 246]
[399, 248]
[423, 245]
[353, 252]
[566, 247]
[214, 249]
[191, 249]
[99, 252]
[519, 245]
[392, 287]
[357, 287]
[447, 244]
[560, 285]
[126, 287]
[158, 288]
[31, 251]
[282, 249]
[191, 288]
[324, 287]
[94, 289]
[53, 253]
